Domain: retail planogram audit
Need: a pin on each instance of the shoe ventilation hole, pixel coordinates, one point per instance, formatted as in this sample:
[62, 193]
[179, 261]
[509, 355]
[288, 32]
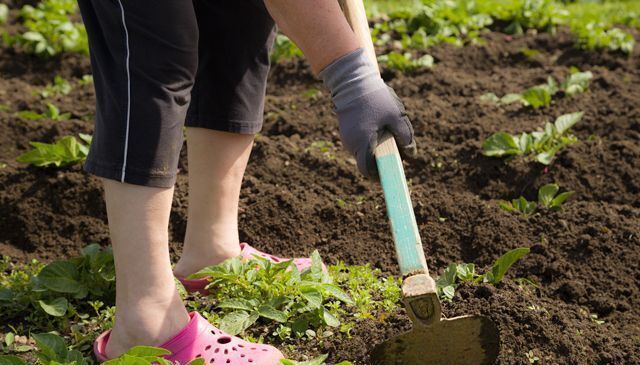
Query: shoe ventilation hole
[207, 348]
[241, 345]
[250, 360]
[226, 351]
[198, 356]
[265, 350]
[224, 340]
[228, 361]
[216, 351]
[242, 355]
[212, 360]
[234, 349]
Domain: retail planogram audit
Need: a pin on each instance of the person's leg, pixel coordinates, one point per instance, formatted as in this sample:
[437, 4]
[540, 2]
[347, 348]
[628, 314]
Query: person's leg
[149, 310]
[144, 60]
[318, 27]
[217, 161]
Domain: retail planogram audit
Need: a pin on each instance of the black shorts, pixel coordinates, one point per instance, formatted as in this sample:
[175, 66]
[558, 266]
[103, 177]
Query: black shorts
[161, 64]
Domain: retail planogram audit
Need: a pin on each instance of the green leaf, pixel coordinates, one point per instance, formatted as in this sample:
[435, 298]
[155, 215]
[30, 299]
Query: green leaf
[272, 313]
[236, 322]
[199, 361]
[501, 144]
[240, 304]
[537, 96]
[56, 307]
[9, 338]
[511, 98]
[146, 351]
[561, 198]
[546, 194]
[504, 262]
[11, 360]
[313, 297]
[30, 115]
[317, 361]
[330, 319]
[564, 122]
[61, 277]
[51, 347]
[336, 292]
[577, 82]
[6, 294]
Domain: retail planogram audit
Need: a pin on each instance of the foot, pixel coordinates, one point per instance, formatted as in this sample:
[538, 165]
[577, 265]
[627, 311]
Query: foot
[247, 253]
[199, 339]
[137, 323]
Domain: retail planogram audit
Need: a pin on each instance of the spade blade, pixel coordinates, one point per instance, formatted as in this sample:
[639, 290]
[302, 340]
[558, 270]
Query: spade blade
[466, 340]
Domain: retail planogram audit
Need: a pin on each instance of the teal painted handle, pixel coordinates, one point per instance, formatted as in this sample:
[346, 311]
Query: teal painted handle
[399, 208]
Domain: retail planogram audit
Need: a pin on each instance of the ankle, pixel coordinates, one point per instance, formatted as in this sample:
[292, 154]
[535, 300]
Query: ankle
[138, 324]
[195, 257]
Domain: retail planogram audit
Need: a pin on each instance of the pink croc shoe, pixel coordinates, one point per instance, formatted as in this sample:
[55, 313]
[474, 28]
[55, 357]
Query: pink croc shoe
[247, 252]
[200, 339]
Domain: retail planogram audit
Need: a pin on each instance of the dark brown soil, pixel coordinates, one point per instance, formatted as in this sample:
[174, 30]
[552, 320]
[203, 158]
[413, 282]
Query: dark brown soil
[584, 258]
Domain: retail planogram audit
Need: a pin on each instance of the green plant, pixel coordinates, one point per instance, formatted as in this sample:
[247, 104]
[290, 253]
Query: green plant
[284, 49]
[51, 29]
[59, 86]
[59, 289]
[533, 359]
[548, 198]
[544, 15]
[317, 361]
[51, 350]
[64, 152]
[455, 274]
[52, 113]
[540, 95]
[259, 289]
[541, 145]
[405, 61]
[4, 13]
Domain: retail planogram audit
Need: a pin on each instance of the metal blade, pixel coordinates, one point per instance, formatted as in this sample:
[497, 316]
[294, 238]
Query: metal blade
[466, 340]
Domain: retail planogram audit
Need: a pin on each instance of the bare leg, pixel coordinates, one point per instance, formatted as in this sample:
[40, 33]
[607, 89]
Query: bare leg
[318, 27]
[149, 310]
[217, 161]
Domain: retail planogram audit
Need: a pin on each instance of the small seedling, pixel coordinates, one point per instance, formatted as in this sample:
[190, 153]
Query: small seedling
[541, 95]
[59, 86]
[533, 359]
[542, 145]
[66, 151]
[459, 273]
[52, 113]
[548, 198]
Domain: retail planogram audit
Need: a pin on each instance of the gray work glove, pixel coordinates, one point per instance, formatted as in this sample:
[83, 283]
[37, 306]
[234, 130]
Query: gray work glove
[366, 107]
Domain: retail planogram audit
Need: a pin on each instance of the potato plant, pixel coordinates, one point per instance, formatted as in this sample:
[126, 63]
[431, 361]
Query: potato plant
[541, 95]
[65, 152]
[540, 146]
[455, 274]
[548, 198]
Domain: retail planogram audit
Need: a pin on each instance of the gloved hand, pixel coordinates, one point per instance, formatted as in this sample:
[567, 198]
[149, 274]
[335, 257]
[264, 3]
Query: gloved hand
[366, 108]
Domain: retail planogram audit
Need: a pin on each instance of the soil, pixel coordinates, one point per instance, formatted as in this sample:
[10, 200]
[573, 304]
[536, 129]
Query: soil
[297, 197]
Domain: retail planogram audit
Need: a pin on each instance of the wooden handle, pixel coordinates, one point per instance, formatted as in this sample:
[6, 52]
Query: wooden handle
[357, 18]
[394, 183]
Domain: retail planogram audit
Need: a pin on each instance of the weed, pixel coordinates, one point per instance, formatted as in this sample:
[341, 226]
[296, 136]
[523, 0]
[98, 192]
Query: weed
[66, 151]
[325, 148]
[458, 273]
[317, 361]
[548, 198]
[60, 289]
[541, 145]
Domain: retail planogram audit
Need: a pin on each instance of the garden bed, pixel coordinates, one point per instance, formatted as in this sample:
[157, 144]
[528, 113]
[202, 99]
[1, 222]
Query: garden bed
[301, 192]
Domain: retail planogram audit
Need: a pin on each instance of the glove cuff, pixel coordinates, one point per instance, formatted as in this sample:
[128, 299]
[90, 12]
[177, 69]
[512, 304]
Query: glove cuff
[350, 77]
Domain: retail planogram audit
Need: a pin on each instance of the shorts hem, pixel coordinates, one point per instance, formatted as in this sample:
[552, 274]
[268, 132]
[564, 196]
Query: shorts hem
[224, 125]
[131, 176]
